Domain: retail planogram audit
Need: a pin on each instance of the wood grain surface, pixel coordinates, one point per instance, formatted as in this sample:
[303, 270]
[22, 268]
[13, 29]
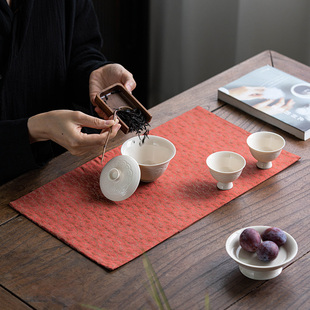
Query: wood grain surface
[38, 271]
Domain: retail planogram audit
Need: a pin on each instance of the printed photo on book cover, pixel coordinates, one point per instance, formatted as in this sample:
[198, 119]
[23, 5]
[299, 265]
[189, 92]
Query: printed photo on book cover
[276, 93]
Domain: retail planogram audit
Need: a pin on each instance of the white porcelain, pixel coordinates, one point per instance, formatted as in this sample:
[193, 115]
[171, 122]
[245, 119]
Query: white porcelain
[301, 90]
[153, 156]
[251, 266]
[119, 178]
[265, 147]
[225, 167]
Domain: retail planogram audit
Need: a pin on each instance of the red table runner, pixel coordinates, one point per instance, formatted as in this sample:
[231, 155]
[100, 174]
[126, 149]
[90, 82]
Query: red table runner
[73, 209]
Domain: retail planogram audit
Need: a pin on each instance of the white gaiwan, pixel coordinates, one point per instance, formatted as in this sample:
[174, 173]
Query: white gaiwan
[139, 161]
[153, 156]
[251, 266]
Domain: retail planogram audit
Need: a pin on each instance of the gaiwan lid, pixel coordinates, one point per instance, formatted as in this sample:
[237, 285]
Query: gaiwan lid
[120, 178]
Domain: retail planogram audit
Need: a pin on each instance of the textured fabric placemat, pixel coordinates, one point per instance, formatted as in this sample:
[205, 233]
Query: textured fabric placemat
[73, 209]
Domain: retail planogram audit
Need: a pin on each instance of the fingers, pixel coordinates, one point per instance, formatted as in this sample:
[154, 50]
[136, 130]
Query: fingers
[264, 104]
[128, 81]
[279, 104]
[130, 85]
[94, 122]
[91, 143]
[108, 75]
[284, 106]
[271, 107]
[125, 77]
[65, 128]
[115, 130]
[289, 104]
[97, 139]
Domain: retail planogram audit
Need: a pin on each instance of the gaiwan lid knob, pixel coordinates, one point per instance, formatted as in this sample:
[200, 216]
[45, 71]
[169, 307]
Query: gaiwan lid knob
[120, 178]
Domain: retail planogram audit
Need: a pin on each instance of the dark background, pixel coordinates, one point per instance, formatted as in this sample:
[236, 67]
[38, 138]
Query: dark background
[124, 26]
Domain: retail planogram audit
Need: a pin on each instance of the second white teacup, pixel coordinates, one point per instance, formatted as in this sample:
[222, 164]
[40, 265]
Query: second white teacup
[225, 167]
[265, 147]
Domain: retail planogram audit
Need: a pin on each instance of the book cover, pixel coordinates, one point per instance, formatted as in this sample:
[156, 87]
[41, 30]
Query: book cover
[273, 96]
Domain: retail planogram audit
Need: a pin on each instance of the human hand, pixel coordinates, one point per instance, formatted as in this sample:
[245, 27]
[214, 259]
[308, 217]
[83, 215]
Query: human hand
[271, 108]
[65, 128]
[106, 76]
[247, 92]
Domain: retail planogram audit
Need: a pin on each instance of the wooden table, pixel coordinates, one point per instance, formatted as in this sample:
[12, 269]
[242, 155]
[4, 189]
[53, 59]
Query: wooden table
[37, 271]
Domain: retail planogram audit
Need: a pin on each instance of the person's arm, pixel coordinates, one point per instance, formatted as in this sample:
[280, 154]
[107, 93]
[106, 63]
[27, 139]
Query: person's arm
[64, 127]
[85, 51]
[19, 139]
[83, 56]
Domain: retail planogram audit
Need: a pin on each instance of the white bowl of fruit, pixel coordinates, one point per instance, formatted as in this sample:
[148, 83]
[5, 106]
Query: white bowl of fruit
[261, 251]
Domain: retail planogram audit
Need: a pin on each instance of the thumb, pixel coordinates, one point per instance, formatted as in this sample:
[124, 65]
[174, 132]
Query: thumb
[95, 122]
[130, 85]
[128, 81]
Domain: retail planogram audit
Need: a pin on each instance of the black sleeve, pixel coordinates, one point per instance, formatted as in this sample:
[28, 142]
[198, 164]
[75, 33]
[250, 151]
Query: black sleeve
[86, 53]
[81, 51]
[16, 153]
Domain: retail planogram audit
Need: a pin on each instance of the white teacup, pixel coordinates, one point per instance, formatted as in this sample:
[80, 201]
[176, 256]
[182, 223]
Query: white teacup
[153, 156]
[265, 147]
[225, 167]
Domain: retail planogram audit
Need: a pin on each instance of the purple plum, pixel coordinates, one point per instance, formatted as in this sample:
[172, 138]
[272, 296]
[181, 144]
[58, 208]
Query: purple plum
[274, 234]
[267, 251]
[250, 239]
